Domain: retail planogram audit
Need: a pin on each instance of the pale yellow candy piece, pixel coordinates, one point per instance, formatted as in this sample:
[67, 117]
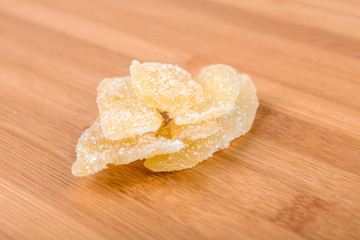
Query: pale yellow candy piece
[165, 86]
[221, 88]
[122, 114]
[231, 126]
[189, 132]
[95, 151]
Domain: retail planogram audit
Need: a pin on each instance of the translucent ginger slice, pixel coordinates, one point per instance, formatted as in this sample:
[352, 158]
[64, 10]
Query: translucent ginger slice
[231, 126]
[122, 114]
[189, 132]
[165, 86]
[95, 151]
[221, 88]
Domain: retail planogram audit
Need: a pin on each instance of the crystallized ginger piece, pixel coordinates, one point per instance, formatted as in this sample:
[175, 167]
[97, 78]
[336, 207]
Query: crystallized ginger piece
[95, 151]
[221, 88]
[165, 86]
[122, 114]
[189, 132]
[231, 126]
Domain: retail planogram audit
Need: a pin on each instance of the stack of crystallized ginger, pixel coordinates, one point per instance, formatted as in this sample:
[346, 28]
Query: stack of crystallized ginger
[162, 115]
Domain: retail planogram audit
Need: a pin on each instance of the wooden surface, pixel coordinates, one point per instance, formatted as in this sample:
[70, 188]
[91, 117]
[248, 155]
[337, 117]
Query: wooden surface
[296, 175]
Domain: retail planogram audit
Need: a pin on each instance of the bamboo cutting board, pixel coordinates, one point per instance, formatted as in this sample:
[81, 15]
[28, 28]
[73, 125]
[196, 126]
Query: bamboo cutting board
[295, 175]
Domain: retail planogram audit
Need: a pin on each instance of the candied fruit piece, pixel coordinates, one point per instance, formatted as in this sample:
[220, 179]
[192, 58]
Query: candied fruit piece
[122, 114]
[221, 88]
[165, 86]
[95, 151]
[231, 126]
[189, 132]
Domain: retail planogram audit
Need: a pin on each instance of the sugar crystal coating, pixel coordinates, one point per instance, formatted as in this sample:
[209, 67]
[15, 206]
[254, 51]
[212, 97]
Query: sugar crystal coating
[165, 86]
[122, 114]
[189, 132]
[221, 88]
[95, 151]
[231, 126]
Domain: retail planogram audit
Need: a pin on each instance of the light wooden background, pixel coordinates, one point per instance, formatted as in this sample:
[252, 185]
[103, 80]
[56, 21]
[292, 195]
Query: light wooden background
[296, 175]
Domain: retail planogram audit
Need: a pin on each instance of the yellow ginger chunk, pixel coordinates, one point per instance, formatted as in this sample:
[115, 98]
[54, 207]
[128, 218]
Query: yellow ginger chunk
[95, 151]
[122, 114]
[165, 86]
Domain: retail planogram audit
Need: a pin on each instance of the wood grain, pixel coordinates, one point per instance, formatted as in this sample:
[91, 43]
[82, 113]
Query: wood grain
[295, 175]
